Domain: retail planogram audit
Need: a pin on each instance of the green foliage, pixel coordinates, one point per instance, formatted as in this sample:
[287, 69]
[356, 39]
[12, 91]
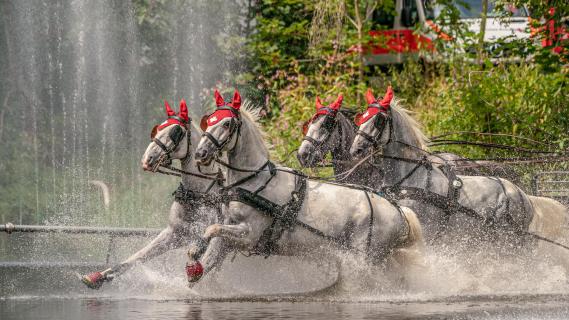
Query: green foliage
[281, 37]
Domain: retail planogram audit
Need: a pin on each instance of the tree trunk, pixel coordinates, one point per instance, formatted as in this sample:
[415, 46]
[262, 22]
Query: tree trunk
[483, 16]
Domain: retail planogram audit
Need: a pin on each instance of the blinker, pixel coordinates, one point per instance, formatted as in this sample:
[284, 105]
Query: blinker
[176, 135]
[154, 131]
[203, 123]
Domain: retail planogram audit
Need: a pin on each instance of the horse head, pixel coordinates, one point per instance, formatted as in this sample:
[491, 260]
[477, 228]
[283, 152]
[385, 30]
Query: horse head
[169, 139]
[221, 128]
[374, 124]
[320, 135]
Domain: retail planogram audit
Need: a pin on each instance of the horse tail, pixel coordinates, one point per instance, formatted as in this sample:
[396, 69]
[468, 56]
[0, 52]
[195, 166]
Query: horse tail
[415, 235]
[551, 220]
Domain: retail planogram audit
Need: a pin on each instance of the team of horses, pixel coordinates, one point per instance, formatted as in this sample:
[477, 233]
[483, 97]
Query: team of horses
[390, 196]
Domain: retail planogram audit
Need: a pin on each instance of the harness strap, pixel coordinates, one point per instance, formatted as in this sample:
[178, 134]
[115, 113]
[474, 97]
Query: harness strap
[163, 146]
[311, 140]
[420, 163]
[212, 139]
[187, 196]
[285, 217]
[435, 199]
[249, 177]
[366, 136]
[371, 214]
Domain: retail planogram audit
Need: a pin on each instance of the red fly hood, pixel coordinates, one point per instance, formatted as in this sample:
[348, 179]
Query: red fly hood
[375, 106]
[330, 110]
[181, 118]
[224, 110]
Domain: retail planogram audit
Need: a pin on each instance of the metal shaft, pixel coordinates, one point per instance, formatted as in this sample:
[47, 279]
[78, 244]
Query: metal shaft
[9, 228]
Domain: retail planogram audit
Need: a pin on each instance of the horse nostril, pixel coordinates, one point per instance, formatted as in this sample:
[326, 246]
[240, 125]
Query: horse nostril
[200, 154]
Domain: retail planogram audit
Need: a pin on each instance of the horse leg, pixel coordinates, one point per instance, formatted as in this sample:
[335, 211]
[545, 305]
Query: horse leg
[169, 239]
[201, 262]
[230, 231]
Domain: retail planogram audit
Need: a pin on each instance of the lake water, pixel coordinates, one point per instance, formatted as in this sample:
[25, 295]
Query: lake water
[43, 284]
[481, 307]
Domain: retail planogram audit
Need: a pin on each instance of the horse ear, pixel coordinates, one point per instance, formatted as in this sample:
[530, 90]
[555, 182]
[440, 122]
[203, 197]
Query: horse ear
[369, 97]
[386, 101]
[183, 111]
[218, 98]
[338, 103]
[236, 100]
[318, 103]
[169, 111]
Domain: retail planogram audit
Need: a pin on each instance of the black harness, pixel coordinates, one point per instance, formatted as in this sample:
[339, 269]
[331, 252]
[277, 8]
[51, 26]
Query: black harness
[447, 203]
[381, 120]
[330, 122]
[234, 125]
[285, 217]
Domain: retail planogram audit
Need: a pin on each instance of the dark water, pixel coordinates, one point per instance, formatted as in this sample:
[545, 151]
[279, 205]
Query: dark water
[482, 307]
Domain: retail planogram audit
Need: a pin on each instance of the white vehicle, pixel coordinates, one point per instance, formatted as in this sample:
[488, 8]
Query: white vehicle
[399, 41]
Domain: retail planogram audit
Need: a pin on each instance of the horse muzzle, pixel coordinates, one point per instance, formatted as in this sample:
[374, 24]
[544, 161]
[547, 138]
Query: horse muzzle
[203, 157]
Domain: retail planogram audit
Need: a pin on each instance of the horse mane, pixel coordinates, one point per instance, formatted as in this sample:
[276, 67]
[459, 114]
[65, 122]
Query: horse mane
[251, 112]
[348, 112]
[414, 127]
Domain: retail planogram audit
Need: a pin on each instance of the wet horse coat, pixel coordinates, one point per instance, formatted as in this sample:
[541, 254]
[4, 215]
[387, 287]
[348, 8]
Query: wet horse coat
[500, 207]
[187, 219]
[321, 138]
[333, 210]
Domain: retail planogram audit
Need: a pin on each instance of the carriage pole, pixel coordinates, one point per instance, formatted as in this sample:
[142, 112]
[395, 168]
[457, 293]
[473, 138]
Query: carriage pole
[121, 232]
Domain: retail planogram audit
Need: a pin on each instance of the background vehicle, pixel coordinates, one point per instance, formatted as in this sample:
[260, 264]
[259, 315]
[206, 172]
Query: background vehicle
[396, 38]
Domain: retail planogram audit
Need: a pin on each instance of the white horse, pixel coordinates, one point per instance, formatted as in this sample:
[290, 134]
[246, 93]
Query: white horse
[189, 215]
[308, 219]
[493, 205]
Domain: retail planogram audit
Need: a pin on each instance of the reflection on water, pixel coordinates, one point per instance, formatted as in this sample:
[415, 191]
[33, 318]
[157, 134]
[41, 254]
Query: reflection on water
[505, 307]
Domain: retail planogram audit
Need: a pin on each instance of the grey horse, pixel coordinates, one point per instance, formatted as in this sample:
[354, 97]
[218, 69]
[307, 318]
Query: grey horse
[332, 130]
[173, 139]
[475, 205]
[279, 212]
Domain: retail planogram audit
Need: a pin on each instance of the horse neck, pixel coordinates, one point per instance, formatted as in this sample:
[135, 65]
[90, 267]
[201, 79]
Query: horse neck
[249, 152]
[344, 136]
[188, 164]
[404, 143]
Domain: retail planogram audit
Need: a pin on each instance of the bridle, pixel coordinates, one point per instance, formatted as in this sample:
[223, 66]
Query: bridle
[234, 127]
[382, 119]
[176, 135]
[329, 123]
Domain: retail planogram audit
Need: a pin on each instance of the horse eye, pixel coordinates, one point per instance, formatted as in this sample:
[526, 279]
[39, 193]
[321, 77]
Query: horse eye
[226, 124]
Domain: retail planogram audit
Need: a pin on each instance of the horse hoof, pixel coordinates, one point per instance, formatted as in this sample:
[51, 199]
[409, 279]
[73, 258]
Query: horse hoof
[94, 280]
[194, 271]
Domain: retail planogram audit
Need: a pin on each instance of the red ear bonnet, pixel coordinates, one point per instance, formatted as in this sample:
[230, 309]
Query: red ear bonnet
[224, 110]
[218, 99]
[169, 111]
[386, 101]
[338, 103]
[369, 97]
[330, 110]
[318, 103]
[182, 118]
[236, 100]
[183, 113]
[374, 106]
